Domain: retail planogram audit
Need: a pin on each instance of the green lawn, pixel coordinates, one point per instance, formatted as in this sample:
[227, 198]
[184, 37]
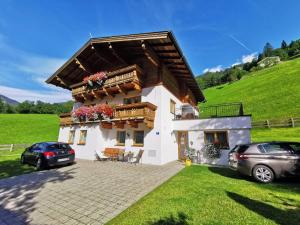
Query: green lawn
[276, 134]
[206, 195]
[28, 128]
[266, 94]
[10, 164]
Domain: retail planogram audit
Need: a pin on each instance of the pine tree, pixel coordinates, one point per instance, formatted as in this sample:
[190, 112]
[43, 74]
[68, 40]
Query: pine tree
[284, 44]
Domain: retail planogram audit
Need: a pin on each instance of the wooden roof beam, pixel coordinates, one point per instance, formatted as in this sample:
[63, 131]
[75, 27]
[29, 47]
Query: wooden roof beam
[82, 65]
[101, 57]
[117, 55]
[150, 54]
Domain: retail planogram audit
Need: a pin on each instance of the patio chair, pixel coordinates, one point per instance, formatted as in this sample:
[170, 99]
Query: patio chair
[100, 156]
[136, 158]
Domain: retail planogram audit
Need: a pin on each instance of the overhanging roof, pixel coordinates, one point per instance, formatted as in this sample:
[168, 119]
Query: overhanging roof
[117, 51]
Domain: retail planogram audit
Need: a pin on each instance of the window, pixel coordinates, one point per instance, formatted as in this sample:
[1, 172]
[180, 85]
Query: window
[121, 135]
[132, 100]
[82, 138]
[295, 147]
[217, 138]
[275, 148]
[172, 106]
[71, 137]
[138, 138]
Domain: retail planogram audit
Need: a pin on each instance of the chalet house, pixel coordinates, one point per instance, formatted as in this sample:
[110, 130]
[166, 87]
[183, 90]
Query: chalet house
[143, 95]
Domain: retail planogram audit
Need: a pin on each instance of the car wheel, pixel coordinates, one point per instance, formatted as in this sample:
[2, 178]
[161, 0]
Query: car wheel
[263, 174]
[39, 164]
[22, 160]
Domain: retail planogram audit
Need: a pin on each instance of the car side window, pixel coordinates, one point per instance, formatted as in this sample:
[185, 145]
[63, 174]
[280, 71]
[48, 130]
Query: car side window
[295, 147]
[275, 148]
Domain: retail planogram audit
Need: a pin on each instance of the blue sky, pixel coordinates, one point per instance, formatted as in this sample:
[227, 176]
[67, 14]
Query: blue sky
[36, 37]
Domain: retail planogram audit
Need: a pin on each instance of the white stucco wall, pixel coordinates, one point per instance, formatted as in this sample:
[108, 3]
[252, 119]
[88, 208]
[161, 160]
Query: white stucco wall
[237, 128]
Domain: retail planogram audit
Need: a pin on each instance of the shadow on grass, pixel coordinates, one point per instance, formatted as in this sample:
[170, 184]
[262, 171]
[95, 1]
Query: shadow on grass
[226, 172]
[288, 184]
[171, 220]
[18, 194]
[13, 167]
[280, 216]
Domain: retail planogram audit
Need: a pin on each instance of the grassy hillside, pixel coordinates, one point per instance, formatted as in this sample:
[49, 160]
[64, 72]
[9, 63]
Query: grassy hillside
[28, 128]
[267, 94]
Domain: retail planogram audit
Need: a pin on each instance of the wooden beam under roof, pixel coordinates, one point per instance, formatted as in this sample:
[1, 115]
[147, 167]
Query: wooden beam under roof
[100, 56]
[83, 65]
[117, 55]
[161, 44]
[150, 54]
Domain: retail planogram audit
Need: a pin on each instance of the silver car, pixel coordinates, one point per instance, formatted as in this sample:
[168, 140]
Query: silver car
[266, 161]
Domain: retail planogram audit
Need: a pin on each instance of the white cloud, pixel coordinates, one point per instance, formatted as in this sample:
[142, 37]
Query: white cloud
[18, 67]
[214, 69]
[249, 58]
[45, 96]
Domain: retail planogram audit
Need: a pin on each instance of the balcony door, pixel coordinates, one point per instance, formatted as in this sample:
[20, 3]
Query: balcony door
[182, 144]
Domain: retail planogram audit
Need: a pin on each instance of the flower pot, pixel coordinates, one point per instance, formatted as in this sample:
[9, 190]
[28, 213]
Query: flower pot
[188, 162]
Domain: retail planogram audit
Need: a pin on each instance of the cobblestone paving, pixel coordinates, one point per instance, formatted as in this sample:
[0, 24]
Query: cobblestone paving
[85, 193]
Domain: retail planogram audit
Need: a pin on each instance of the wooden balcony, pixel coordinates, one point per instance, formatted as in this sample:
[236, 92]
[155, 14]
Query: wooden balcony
[65, 119]
[131, 114]
[119, 81]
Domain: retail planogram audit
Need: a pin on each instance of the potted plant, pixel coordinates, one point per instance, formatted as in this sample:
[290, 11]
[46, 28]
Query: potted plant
[97, 78]
[81, 113]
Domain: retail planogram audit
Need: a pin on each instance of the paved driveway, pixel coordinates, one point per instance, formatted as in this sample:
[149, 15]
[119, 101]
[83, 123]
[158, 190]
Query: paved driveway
[85, 193]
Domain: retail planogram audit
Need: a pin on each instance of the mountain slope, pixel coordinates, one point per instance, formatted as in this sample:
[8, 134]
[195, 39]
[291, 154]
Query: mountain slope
[8, 100]
[267, 94]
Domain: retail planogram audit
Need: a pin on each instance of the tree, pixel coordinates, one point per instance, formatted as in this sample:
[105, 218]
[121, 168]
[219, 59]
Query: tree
[267, 52]
[284, 44]
[2, 106]
[9, 109]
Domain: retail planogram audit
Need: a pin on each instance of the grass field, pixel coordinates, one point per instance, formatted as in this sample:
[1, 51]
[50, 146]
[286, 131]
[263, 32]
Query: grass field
[28, 128]
[206, 195]
[276, 134]
[266, 94]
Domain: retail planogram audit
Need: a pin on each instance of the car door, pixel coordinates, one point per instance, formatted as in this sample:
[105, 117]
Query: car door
[27, 153]
[36, 153]
[277, 156]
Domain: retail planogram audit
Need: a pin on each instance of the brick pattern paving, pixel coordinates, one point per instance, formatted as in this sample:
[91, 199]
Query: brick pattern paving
[84, 193]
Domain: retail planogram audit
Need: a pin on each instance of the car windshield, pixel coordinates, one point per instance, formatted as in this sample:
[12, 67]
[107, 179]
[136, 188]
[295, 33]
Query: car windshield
[60, 146]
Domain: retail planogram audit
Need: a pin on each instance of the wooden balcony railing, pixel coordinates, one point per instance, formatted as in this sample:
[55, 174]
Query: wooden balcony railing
[135, 110]
[65, 119]
[119, 81]
[132, 114]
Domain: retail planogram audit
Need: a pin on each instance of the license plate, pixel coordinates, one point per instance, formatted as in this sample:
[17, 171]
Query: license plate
[63, 159]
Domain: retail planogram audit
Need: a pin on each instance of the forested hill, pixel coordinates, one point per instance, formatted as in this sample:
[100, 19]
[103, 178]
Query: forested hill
[284, 52]
[267, 94]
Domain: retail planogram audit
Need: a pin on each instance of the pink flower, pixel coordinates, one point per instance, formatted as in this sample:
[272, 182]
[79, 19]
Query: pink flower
[96, 77]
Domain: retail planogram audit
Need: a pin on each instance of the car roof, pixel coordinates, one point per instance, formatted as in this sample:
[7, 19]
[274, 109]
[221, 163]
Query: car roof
[269, 142]
[51, 142]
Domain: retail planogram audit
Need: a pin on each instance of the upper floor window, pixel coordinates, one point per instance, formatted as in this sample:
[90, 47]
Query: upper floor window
[138, 138]
[172, 106]
[217, 138]
[131, 100]
[82, 137]
[71, 136]
[121, 136]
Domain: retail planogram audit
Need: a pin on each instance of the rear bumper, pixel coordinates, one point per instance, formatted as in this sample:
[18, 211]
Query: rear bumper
[60, 161]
